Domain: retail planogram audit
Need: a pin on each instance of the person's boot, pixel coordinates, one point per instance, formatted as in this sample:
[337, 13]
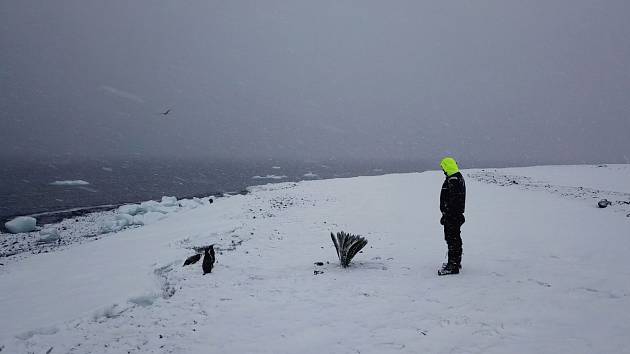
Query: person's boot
[459, 265]
[449, 268]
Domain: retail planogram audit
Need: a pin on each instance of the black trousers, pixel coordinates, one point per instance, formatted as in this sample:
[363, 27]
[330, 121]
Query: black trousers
[452, 235]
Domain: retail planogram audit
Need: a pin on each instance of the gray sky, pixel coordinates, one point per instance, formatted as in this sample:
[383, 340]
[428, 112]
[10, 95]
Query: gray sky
[534, 81]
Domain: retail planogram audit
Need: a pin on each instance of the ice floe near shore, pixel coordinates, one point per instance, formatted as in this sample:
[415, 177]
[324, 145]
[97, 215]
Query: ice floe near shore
[77, 182]
[270, 177]
[21, 224]
[24, 237]
[149, 212]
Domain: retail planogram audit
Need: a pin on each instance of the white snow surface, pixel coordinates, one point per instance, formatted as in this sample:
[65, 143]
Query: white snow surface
[77, 182]
[615, 178]
[544, 272]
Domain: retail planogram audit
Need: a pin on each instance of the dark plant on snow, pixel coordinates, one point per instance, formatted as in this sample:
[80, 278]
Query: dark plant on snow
[347, 246]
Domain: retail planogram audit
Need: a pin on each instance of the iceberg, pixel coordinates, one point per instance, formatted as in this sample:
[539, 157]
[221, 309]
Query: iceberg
[21, 224]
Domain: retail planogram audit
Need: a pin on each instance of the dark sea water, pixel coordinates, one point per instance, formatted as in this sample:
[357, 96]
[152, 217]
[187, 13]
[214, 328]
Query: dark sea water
[26, 189]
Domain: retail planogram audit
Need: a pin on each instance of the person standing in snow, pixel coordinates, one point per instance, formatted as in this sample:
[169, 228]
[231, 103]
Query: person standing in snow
[452, 202]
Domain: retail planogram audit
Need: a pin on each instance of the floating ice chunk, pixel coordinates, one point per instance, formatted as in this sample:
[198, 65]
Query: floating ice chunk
[48, 235]
[269, 177]
[131, 209]
[169, 201]
[91, 190]
[21, 224]
[77, 182]
[310, 175]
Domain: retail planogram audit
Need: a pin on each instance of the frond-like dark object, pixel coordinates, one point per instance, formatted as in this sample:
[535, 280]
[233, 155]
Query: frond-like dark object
[347, 246]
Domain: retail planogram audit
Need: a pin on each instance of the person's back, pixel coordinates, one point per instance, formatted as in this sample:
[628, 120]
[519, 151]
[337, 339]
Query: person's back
[452, 206]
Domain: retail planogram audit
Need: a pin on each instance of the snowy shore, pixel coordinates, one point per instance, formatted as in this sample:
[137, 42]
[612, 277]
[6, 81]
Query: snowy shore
[545, 271]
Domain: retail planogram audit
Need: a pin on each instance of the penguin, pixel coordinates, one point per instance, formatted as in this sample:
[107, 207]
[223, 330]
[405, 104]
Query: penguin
[192, 259]
[208, 260]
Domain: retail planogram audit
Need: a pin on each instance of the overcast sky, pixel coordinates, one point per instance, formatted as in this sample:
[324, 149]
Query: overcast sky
[523, 82]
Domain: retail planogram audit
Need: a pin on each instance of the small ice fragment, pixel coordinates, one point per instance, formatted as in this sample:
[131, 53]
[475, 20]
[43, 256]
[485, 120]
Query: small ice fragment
[269, 177]
[169, 201]
[48, 235]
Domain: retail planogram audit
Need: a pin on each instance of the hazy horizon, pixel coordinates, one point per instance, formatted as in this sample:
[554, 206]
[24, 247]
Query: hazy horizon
[489, 82]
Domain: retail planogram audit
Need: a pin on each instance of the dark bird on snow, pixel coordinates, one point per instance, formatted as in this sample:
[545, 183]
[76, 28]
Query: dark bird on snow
[192, 259]
[208, 259]
[165, 113]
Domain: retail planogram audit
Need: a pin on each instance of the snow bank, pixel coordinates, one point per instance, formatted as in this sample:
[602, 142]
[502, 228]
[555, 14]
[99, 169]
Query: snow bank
[77, 182]
[149, 212]
[613, 177]
[21, 224]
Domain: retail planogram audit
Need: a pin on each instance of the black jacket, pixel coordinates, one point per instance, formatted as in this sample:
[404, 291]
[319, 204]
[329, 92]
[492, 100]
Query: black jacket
[453, 197]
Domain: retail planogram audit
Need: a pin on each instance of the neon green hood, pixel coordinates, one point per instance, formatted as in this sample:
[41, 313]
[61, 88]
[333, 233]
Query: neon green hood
[449, 166]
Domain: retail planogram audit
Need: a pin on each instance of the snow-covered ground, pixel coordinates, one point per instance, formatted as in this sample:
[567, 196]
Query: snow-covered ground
[545, 271]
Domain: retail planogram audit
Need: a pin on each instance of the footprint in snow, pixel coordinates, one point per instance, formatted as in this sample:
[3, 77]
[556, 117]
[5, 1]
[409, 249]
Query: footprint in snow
[391, 345]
